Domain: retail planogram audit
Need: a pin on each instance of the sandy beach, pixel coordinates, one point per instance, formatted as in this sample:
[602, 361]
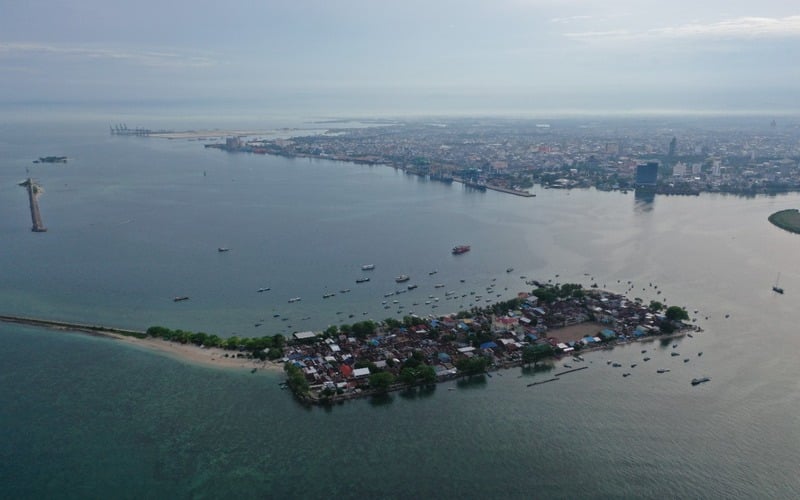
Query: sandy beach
[189, 353]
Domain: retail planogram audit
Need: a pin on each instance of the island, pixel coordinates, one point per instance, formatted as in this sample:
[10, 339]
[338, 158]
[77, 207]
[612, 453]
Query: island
[371, 358]
[788, 220]
[51, 159]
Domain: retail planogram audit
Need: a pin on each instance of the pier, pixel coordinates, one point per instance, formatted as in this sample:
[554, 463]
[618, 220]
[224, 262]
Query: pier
[69, 326]
[33, 194]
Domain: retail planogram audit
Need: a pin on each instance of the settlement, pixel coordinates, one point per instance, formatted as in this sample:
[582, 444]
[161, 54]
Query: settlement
[366, 358]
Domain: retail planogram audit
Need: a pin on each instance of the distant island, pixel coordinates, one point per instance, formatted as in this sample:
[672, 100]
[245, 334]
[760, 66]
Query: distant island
[51, 159]
[787, 219]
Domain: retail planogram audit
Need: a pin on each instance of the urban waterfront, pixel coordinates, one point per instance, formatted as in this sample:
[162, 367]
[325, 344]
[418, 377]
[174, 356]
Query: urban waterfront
[133, 222]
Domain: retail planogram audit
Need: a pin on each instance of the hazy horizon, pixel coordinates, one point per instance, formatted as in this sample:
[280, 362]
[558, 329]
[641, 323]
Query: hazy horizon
[361, 58]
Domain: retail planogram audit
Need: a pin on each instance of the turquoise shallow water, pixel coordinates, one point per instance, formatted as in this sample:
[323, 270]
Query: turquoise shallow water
[134, 222]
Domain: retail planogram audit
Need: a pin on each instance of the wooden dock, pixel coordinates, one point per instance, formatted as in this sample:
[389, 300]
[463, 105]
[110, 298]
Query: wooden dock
[33, 195]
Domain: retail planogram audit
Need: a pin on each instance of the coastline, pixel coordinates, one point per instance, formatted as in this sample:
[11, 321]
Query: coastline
[212, 357]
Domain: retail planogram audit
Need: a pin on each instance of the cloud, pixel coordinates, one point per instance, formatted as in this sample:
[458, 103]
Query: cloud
[569, 19]
[142, 58]
[742, 27]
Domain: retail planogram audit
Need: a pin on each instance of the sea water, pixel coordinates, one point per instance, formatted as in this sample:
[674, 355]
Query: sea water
[133, 222]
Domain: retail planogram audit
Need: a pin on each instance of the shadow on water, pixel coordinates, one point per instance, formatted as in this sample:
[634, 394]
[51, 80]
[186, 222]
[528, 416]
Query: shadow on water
[472, 382]
[531, 370]
[381, 400]
[644, 200]
[425, 391]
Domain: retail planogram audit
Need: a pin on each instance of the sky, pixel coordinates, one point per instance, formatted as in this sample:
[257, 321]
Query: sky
[379, 57]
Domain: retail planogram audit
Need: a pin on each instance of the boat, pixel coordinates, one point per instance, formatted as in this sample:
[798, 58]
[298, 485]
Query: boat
[402, 278]
[438, 285]
[411, 287]
[775, 287]
[432, 272]
[294, 299]
[696, 381]
[344, 290]
[626, 374]
[328, 295]
[263, 289]
[362, 280]
[647, 359]
[510, 270]
[223, 249]
[368, 267]
[180, 298]
[674, 354]
[662, 370]
[458, 250]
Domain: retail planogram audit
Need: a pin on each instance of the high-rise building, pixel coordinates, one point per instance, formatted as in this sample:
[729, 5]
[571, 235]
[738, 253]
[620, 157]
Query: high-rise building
[647, 174]
[673, 144]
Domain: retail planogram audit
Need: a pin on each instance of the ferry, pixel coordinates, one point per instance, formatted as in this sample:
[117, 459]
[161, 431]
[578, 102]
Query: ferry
[368, 267]
[362, 280]
[180, 298]
[458, 250]
[402, 278]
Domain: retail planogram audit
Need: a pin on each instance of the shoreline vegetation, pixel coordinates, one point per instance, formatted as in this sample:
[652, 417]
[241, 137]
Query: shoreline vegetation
[209, 356]
[371, 359]
[788, 220]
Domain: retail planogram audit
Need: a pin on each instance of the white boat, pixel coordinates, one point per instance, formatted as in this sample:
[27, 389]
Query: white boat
[295, 299]
[368, 267]
[402, 278]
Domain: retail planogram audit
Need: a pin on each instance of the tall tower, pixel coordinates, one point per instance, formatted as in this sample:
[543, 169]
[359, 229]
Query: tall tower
[672, 145]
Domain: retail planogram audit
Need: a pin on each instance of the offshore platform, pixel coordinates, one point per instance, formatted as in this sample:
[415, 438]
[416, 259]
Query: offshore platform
[34, 190]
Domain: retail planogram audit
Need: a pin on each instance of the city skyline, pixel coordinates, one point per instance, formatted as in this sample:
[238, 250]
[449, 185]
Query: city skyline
[372, 58]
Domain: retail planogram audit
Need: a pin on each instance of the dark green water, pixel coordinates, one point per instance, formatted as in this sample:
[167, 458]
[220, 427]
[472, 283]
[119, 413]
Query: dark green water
[85, 417]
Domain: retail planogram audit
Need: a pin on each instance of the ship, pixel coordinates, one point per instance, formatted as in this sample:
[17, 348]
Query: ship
[362, 280]
[368, 267]
[775, 287]
[402, 278]
[458, 250]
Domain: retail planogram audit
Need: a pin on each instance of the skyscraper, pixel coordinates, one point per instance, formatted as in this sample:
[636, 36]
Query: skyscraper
[647, 174]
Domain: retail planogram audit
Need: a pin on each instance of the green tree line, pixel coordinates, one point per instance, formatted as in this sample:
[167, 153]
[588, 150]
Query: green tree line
[267, 347]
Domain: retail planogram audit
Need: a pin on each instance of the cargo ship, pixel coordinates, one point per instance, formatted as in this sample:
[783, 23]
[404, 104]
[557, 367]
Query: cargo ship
[461, 249]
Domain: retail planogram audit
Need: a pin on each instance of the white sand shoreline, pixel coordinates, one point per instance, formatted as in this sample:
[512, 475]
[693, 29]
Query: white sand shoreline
[204, 356]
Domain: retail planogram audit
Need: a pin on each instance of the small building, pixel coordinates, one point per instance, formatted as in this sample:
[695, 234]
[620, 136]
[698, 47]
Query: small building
[304, 335]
